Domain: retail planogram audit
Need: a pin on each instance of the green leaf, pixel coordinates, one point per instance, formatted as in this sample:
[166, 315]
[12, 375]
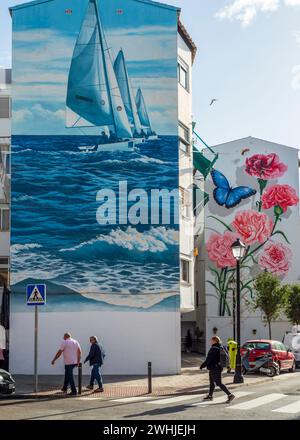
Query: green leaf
[214, 285]
[283, 234]
[220, 221]
[216, 273]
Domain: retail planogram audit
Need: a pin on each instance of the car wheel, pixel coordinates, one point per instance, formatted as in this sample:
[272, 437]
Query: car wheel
[292, 370]
[272, 372]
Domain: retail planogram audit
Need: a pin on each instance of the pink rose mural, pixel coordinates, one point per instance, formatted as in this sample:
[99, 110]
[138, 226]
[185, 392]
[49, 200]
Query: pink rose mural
[282, 196]
[219, 249]
[265, 166]
[276, 258]
[253, 226]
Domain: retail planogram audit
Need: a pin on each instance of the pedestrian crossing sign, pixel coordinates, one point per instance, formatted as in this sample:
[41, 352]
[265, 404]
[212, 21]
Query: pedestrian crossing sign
[36, 294]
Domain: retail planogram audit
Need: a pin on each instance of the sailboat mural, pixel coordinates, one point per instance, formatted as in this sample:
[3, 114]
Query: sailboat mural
[143, 115]
[127, 94]
[93, 95]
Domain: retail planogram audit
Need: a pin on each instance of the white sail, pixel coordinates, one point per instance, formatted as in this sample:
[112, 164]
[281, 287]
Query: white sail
[125, 87]
[93, 95]
[142, 111]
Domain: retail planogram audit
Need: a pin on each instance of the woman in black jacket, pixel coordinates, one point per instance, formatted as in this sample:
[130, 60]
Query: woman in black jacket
[95, 357]
[212, 363]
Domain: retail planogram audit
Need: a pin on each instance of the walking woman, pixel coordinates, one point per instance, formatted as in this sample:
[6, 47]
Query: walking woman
[95, 357]
[212, 363]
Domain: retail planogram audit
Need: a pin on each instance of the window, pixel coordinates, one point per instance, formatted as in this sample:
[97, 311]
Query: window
[183, 75]
[185, 271]
[184, 132]
[184, 202]
[4, 219]
[257, 345]
[4, 107]
[7, 163]
[184, 138]
[184, 147]
[4, 261]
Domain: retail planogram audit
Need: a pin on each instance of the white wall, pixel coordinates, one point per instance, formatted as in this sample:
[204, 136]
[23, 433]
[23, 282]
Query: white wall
[186, 180]
[231, 163]
[131, 339]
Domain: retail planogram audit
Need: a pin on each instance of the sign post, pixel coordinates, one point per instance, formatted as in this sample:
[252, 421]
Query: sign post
[36, 296]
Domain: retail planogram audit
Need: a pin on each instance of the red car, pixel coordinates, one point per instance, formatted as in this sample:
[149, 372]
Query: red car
[280, 353]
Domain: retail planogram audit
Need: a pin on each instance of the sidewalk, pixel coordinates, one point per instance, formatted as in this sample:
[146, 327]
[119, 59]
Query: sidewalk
[190, 381]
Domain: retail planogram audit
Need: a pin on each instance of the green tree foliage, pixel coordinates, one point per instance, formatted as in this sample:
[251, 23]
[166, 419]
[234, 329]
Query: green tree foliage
[292, 303]
[269, 297]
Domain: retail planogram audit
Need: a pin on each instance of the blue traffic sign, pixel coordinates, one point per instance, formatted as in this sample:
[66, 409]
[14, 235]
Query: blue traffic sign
[36, 294]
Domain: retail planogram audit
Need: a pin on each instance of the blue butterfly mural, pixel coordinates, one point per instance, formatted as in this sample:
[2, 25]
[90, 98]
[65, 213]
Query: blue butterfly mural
[225, 195]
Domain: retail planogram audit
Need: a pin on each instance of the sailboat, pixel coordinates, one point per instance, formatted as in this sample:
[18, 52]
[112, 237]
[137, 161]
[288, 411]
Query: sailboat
[93, 95]
[143, 115]
[127, 94]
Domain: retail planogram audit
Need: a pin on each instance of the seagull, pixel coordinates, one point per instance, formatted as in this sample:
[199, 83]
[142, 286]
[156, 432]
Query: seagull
[213, 100]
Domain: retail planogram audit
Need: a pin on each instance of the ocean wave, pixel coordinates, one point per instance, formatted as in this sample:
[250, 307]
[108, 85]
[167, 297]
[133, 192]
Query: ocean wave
[16, 248]
[22, 198]
[154, 240]
[25, 150]
[141, 159]
[142, 301]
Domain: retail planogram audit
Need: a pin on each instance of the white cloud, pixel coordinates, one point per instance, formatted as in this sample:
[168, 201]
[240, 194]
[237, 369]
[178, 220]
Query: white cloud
[296, 34]
[292, 2]
[246, 10]
[38, 113]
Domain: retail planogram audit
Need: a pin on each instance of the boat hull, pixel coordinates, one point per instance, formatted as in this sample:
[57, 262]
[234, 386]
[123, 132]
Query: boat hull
[117, 146]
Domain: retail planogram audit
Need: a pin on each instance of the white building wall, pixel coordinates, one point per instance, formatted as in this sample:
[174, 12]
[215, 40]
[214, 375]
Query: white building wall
[186, 179]
[161, 333]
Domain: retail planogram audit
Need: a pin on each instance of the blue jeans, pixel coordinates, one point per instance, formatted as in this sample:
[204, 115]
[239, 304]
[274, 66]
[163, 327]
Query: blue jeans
[69, 378]
[96, 375]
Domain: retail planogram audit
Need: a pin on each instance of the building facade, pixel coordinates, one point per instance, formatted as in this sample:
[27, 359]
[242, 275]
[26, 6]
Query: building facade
[253, 195]
[101, 214]
[5, 140]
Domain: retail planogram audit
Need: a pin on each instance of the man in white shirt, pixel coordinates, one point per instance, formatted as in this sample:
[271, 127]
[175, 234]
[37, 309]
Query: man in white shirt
[71, 351]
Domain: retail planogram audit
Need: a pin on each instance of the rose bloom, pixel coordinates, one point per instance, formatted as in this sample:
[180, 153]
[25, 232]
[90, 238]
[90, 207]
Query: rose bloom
[279, 195]
[265, 166]
[253, 226]
[219, 249]
[276, 258]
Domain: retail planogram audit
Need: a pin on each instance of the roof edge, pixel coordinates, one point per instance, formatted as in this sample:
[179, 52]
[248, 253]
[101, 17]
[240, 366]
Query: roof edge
[36, 2]
[254, 138]
[187, 39]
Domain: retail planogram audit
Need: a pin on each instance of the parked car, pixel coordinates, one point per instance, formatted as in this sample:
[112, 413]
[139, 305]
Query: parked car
[281, 354]
[7, 384]
[292, 341]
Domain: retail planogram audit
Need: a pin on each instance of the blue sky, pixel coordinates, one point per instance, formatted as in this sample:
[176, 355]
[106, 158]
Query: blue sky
[248, 57]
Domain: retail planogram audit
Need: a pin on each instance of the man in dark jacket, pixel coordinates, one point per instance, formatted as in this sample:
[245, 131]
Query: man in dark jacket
[95, 357]
[212, 363]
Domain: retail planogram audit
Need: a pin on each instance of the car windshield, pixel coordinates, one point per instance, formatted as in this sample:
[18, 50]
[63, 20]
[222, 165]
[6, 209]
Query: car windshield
[257, 345]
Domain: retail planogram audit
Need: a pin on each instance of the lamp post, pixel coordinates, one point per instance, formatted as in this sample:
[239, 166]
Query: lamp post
[233, 287]
[238, 251]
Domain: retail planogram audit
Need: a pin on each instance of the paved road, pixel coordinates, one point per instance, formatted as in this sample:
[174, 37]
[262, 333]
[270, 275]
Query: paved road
[278, 399]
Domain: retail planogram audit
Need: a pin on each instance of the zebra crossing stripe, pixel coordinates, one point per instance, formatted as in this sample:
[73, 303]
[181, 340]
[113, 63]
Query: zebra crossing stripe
[259, 401]
[175, 399]
[292, 408]
[221, 399]
[132, 399]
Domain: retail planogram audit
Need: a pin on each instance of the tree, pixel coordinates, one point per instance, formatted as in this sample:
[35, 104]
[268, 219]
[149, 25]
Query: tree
[292, 303]
[269, 297]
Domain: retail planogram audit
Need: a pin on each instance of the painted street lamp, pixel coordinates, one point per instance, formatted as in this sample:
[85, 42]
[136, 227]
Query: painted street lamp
[238, 251]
